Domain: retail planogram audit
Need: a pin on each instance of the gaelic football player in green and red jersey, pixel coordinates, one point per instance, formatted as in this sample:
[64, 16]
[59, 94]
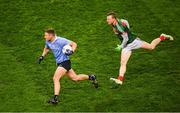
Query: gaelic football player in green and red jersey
[129, 42]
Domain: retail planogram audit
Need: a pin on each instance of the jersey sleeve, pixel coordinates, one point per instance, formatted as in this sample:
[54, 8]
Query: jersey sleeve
[125, 40]
[64, 41]
[125, 23]
[115, 31]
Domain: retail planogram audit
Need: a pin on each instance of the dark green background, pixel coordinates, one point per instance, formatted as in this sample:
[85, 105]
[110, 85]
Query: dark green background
[152, 81]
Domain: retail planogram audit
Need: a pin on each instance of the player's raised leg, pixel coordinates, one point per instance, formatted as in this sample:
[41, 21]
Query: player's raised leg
[60, 71]
[156, 41]
[71, 74]
[125, 55]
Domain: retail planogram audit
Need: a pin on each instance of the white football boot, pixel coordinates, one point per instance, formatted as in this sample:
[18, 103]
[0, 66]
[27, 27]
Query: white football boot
[116, 81]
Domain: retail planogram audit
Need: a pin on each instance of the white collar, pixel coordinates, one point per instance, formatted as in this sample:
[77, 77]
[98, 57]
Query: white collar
[54, 39]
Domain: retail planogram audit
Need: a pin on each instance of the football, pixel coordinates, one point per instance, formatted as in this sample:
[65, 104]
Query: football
[66, 49]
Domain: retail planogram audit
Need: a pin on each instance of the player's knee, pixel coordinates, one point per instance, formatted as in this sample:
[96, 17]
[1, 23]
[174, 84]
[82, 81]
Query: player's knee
[55, 79]
[123, 63]
[151, 47]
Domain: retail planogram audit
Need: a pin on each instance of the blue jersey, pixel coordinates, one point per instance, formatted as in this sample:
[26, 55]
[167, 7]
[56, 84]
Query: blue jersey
[56, 47]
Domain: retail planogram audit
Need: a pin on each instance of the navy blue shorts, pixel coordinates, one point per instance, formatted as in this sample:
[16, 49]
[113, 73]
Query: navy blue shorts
[66, 65]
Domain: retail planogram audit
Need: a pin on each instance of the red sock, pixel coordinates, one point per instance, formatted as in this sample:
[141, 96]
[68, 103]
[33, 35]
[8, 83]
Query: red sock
[121, 78]
[162, 38]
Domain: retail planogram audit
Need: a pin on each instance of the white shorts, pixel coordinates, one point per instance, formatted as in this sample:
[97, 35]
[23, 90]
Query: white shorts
[136, 44]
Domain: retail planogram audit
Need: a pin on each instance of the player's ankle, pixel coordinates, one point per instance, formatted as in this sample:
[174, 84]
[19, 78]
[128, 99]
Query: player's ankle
[56, 97]
[120, 77]
[92, 77]
[162, 38]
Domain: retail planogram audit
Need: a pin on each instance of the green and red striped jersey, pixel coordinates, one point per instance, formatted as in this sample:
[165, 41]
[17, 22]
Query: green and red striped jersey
[122, 30]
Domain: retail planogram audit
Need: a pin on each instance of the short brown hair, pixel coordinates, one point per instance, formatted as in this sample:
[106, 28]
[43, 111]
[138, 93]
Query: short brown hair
[113, 14]
[51, 31]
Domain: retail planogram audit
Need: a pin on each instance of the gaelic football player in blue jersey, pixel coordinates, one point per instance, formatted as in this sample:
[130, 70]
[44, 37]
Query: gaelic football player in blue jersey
[55, 44]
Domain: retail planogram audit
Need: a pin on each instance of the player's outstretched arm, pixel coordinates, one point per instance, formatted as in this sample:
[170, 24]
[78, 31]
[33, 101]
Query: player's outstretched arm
[45, 52]
[73, 45]
[124, 42]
